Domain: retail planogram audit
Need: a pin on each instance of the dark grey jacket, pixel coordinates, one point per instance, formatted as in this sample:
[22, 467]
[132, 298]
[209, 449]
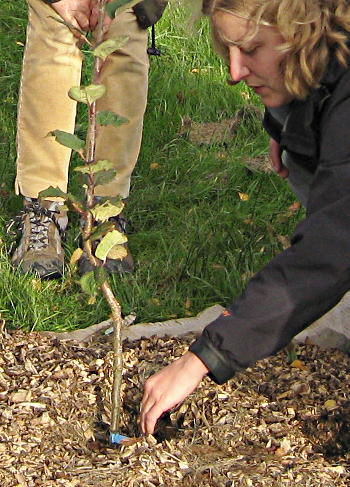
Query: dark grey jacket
[309, 278]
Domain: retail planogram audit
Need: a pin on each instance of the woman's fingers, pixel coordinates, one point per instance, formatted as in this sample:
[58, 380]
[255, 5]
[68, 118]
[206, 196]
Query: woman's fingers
[149, 418]
[169, 387]
[276, 159]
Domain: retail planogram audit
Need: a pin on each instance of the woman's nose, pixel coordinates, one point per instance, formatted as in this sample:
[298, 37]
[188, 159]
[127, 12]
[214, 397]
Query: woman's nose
[238, 69]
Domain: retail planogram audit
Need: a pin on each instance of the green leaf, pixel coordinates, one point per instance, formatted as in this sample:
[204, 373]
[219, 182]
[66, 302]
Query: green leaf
[102, 165]
[108, 242]
[87, 94]
[101, 275]
[105, 177]
[106, 117]
[82, 169]
[64, 208]
[101, 230]
[106, 210]
[88, 283]
[52, 192]
[68, 140]
[107, 47]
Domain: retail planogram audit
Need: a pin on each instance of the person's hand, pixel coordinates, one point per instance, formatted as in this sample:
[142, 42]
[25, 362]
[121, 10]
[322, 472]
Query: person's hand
[276, 160]
[169, 387]
[75, 12]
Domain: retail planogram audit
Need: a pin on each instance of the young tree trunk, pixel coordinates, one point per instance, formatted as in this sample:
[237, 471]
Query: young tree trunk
[88, 226]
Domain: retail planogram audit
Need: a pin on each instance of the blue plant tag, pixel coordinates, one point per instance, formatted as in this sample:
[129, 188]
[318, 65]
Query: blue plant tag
[116, 439]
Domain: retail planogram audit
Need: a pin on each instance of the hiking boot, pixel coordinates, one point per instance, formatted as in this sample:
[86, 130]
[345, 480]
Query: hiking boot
[114, 266]
[39, 250]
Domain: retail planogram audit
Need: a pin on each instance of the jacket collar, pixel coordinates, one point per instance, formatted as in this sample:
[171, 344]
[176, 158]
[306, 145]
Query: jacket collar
[299, 134]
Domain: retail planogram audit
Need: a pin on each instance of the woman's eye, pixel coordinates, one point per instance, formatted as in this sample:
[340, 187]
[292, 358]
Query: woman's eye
[249, 51]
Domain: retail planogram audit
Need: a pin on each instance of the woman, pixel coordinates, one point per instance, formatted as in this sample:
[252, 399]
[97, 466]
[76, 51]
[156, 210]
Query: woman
[294, 54]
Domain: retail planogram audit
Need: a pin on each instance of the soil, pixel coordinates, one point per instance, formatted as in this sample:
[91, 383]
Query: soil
[277, 424]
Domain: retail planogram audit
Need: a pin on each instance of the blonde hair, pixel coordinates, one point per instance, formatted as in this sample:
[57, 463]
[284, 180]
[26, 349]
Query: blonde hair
[312, 30]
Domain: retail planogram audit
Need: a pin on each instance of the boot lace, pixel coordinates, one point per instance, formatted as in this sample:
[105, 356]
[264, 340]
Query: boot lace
[40, 219]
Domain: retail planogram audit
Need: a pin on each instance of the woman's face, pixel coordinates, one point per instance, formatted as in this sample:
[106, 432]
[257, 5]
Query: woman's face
[256, 61]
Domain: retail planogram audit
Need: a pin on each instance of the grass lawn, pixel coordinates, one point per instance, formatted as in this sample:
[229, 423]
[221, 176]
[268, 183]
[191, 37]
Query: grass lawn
[202, 223]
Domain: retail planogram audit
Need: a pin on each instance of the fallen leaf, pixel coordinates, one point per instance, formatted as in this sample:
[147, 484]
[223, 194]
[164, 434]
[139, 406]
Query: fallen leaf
[154, 165]
[294, 207]
[243, 196]
[284, 448]
[21, 395]
[330, 405]
[36, 284]
[298, 364]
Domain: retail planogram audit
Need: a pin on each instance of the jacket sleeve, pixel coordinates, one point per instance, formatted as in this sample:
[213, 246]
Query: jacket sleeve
[303, 282]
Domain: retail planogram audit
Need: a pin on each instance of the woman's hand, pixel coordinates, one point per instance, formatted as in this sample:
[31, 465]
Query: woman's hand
[169, 387]
[276, 160]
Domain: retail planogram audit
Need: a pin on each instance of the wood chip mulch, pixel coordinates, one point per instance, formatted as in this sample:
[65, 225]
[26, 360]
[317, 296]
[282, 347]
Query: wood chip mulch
[276, 425]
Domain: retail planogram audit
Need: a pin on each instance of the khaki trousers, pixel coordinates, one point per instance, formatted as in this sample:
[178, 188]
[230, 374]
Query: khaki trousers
[51, 66]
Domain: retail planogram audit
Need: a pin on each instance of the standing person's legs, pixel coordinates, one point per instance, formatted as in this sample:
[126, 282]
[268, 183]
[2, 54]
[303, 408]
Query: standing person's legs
[50, 68]
[51, 65]
[125, 75]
